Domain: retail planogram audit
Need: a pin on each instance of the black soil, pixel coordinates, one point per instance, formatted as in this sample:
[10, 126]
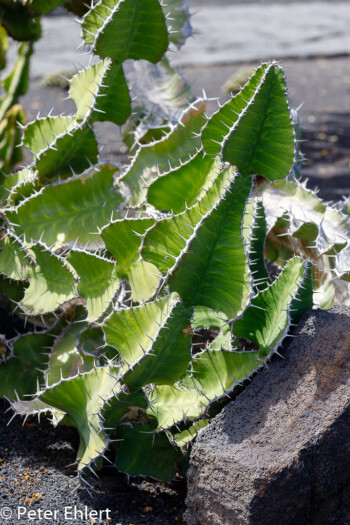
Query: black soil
[34, 475]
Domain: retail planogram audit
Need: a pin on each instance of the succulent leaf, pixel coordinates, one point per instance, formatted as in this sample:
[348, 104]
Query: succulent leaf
[254, 130]
[127, 29]
[132, 330]
[10, 137]
[123, 239]
[172, 404]
[168, 240]
[81, 398]
[14, 258]
[173, 150]
[14, 186]
[178, 21]
[266, 321]
[21, 374]
[257, 248]
[98, 282]
[16, 83]
[195, 177]
[215, 373]
[64, 359]
[43, 132]
[4, 45]
[326, 226]
[51, 283]
[71, 211]
[18, 22]
[101, 94]
[143, 452]
[169, 355]
[144, 280]
[214, 272]
[42, 7]
[72, 152]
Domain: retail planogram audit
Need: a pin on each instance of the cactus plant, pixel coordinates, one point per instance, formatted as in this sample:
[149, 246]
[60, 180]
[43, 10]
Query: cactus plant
[147, 284]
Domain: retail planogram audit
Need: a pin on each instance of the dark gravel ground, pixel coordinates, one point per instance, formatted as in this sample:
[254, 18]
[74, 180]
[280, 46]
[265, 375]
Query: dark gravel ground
[33, 476]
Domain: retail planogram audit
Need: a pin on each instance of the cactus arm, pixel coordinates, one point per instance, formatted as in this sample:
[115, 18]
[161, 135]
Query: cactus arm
[14, 290]
[215, 373]
[123, 239]
[91, 342]
[142, 451]
[255, 129]
[132, 330]
[14, 258]
[174, 149]
[60, 146]
[71, 152]
[257, 248]
[144, 281]
[326, 226]
[51, 283]
[78, 7]
[184, 438]
[4, 45]
[100, 93]
[195, 176]
[218, 128]
[342, 263]
[36, 407]
[172, 404]
[178, 21]
[14, 185]
[127, 407]
[165, 243]
[24, 370]
[127, 29]
[204, 317]
[16, 83]
[160, 94]
[10, 137]
[217, 255]
[299, 222]
[18, 23]
[43, 132]
[81, 398]
[169, 355]
[267, 320]
[64, 359]
[73, 210]
[98, 282]
[42, 7]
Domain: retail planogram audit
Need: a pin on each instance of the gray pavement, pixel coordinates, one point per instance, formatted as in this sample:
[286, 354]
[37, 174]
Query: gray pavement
[224, 34]
[245, 33]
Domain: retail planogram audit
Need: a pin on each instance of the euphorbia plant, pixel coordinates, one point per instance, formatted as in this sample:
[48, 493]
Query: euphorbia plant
[147, 283]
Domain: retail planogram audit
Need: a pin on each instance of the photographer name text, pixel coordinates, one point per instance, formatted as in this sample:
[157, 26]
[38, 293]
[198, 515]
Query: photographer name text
[67, 513]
